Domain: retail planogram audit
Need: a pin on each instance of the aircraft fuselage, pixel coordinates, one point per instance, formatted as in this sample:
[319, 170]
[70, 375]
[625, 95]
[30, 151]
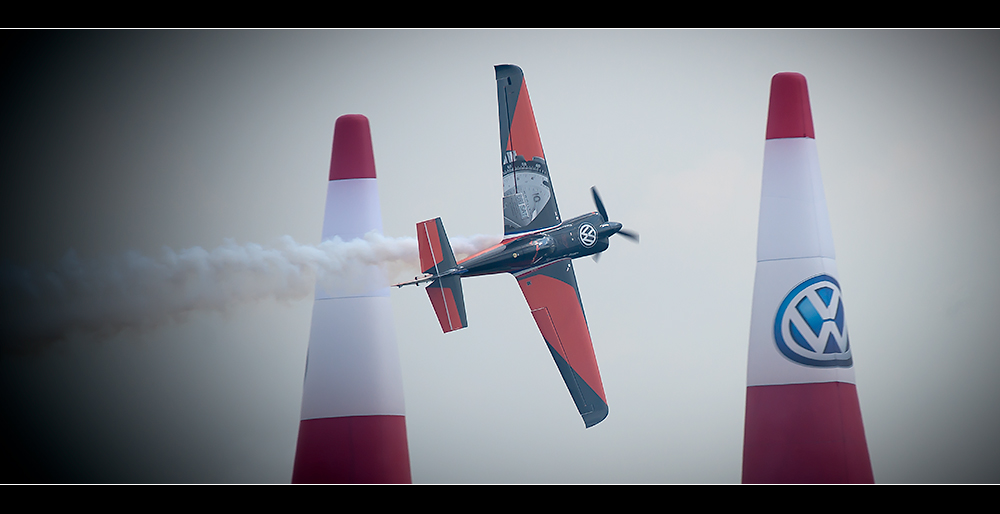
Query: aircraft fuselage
[579, 237]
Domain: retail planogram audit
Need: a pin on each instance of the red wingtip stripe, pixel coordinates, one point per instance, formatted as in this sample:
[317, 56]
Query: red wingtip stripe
[789, 114]
[352, 155]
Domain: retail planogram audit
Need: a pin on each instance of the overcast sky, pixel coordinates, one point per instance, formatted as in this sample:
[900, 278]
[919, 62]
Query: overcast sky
[118, 142]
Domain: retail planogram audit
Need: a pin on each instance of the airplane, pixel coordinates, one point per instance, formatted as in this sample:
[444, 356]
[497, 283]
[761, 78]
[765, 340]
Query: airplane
[538, 248]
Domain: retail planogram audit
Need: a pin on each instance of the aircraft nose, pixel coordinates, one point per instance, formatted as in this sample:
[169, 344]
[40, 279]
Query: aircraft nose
[610, 228]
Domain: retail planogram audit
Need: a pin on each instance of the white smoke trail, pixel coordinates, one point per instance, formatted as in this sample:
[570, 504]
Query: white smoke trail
[137, 291]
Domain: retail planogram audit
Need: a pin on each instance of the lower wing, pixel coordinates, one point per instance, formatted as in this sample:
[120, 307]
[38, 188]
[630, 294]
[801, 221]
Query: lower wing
[555, 304]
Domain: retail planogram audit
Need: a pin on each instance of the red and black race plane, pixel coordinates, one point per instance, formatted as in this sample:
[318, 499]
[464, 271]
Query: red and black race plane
[538, 249]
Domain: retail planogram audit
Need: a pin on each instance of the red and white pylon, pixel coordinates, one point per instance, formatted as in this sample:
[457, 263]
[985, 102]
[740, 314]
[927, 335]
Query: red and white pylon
[803, 419]
[353, 425]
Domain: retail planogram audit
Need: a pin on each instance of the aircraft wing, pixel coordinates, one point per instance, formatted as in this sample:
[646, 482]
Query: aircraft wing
[555, 303]
[529, 203]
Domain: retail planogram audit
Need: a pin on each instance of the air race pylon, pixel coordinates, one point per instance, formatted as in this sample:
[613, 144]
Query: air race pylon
[353, 428]
[803, 420]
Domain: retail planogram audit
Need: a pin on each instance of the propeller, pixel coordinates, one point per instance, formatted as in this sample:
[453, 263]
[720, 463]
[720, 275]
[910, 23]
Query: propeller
[629, 234]
[634, 236]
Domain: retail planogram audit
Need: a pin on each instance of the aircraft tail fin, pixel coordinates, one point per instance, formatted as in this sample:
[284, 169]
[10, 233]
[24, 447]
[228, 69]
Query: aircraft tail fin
[437, 258]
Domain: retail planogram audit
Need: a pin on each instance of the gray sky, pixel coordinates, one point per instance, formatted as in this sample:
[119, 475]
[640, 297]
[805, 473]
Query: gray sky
[135, 141]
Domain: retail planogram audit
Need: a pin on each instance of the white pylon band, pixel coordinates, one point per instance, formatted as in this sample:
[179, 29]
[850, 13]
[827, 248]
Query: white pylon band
[793, 218]
[353, 364]
[352, 210]
[794, 245]
[352, 368]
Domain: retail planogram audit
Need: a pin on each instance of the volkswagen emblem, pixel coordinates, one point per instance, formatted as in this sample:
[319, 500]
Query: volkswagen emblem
[809, 327]
[588, 235]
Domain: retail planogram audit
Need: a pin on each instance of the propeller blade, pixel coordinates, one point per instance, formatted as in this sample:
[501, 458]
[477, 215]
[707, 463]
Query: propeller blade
[634, 236]
[599, 203]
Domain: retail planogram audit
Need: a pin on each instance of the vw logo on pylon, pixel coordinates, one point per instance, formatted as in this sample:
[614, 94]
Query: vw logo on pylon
[809, 327]
[588, 235]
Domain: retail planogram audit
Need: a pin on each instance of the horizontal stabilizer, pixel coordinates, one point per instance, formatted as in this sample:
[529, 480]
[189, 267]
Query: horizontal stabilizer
[449, 304]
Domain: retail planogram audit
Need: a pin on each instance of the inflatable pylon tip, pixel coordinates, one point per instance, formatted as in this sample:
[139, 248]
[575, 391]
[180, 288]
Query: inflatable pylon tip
[352, 149]
[788, 114]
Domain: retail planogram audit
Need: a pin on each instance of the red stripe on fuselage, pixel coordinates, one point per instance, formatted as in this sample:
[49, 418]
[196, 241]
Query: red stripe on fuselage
[482, 252]
[498, 245]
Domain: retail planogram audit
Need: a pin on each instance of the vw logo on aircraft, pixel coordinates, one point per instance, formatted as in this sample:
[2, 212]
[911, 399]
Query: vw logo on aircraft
[588, 235]
[809, 327]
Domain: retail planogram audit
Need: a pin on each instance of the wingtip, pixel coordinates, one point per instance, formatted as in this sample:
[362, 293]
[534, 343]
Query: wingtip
[595, 416]
[507, 70]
